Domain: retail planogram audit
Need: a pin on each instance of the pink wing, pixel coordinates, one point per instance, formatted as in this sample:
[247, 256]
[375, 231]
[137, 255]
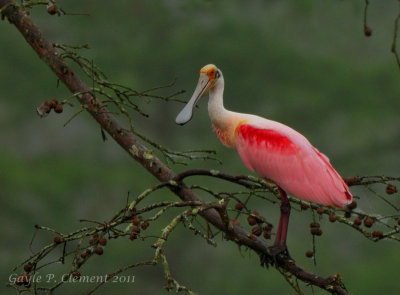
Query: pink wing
[281, 154]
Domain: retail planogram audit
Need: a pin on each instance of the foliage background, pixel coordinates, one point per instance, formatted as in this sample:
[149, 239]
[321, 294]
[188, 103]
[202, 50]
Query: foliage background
[304, 63]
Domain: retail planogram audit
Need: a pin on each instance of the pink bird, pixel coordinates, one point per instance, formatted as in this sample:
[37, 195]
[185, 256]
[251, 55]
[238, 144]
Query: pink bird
[273, 150]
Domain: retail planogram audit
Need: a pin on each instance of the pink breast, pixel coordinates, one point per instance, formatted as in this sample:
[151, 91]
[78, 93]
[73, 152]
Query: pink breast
[223, 136]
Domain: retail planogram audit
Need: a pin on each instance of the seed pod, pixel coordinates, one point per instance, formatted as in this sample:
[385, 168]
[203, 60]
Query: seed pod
[319, 232]
[351, 180]
[352, 205]
[267, 235]
[52, 9]
[239, 206]
[309, 254]
[27, 280]
[28, 267]
[367, 31]
[257, 230]
[57, 240]
[103, 241]
[304, 206]
[76, 274]
[136, 229]
[357, 221]
[145, 225]
[320, 210]
[133, 236]
[368, 222]
[332, 217]
[377, 234]
[59, 109]
[253, 237]
[79, 262]
[347, 214]
[314, 230]
[20, 280]
[314, 224]
[268, 228]
[43, 110]
[99, 251]
[136, 220]
[391, 189]
[251, 220]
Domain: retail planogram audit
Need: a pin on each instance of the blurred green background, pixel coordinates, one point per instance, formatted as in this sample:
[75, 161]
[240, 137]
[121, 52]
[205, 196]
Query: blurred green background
[304, 63]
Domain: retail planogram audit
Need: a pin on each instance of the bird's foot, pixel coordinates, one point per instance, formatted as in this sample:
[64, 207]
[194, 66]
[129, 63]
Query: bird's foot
[276, 255]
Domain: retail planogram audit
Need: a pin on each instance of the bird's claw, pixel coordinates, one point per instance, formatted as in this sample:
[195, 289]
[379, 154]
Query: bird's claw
[276, 255]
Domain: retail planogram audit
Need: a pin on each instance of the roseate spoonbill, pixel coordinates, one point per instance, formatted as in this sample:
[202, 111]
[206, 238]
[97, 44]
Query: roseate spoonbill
[273, 150]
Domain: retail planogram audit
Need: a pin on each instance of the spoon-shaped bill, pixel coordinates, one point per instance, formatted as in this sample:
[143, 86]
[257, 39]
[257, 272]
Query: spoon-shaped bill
[187, 112]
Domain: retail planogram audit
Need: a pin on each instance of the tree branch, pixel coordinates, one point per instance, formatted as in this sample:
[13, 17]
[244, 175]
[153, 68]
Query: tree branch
[138, 152]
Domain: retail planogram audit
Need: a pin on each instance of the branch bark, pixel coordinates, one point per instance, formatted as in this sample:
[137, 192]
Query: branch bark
[137, 151]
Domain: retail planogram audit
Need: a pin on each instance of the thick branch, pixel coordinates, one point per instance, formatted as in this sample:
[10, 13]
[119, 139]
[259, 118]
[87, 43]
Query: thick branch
[136, 150]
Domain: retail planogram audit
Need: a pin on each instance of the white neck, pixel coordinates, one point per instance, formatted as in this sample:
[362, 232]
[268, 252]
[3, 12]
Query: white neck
[216, 110]
[224, 122]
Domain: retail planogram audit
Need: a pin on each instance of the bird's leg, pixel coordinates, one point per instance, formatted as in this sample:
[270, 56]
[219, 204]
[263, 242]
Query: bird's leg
[280, 238]
[279, 246]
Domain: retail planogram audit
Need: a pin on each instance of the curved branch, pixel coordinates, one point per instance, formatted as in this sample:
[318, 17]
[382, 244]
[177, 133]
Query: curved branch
[138, 152]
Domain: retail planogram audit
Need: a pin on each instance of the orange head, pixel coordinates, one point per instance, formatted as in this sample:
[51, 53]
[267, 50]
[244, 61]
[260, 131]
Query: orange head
[212, 73]
[209, 75]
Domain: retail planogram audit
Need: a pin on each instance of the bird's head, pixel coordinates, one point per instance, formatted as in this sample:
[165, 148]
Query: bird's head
[210, 75]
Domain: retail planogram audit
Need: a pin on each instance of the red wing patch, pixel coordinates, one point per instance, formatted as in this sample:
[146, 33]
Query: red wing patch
[268, 138]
